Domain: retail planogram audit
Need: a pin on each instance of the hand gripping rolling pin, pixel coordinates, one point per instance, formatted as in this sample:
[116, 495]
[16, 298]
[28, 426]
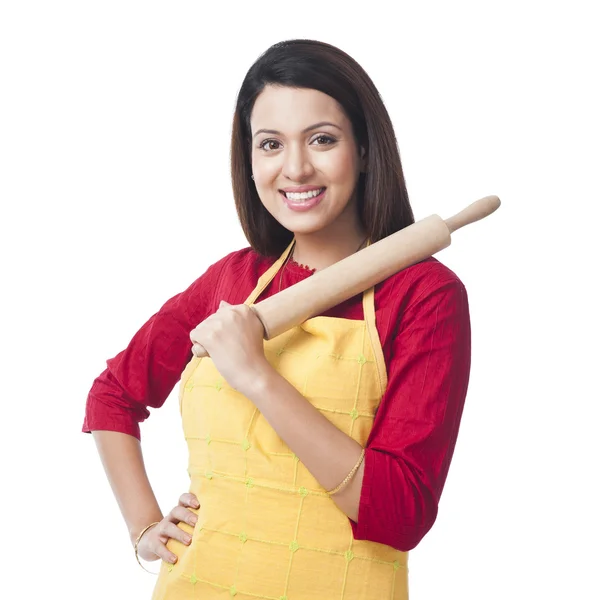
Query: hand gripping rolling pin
[363, 269]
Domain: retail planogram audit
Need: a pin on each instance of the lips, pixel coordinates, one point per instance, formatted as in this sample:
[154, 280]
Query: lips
[320, 190]
[303, 205]
[301, 188]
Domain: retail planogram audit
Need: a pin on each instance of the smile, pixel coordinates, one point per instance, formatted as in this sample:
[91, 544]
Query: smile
[303, 196]
[303, 201]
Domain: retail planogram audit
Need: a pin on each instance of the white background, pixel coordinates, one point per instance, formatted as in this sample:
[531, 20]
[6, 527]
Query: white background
[115, 195]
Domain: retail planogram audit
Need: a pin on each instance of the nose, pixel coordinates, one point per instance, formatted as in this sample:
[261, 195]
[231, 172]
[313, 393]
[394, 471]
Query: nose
[296, 163]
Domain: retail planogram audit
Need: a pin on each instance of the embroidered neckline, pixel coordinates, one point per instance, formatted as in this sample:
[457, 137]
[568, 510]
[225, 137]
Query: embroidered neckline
[301, 266]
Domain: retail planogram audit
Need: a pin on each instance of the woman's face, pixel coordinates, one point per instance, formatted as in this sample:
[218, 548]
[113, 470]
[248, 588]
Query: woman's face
[308, 150]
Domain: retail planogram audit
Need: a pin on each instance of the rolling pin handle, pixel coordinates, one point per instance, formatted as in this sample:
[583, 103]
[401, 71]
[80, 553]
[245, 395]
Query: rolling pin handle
[474, 212]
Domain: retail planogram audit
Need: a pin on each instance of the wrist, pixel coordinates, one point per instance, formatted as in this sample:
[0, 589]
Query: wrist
[260, 381]
[137, 541]
[136, 530]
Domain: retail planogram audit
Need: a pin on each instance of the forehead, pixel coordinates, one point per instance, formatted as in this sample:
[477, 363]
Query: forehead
[293, 109]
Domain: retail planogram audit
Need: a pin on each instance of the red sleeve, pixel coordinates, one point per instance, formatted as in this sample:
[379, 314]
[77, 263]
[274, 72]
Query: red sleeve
[415, 430]
[144, 374]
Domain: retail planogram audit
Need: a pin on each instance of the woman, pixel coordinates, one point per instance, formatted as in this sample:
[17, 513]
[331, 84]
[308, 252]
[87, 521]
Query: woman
[317, 458]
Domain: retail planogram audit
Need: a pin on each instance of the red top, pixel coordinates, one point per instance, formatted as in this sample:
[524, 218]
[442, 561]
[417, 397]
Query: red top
[422, 317]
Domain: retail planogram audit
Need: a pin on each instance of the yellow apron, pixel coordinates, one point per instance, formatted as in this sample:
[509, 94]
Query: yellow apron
[266, 528]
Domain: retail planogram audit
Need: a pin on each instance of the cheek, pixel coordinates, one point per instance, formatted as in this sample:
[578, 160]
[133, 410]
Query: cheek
[265, 171]
[339, 167]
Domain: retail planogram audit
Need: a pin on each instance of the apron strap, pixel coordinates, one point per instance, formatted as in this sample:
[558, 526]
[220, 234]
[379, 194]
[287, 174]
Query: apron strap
[267, 276]
[369, 313]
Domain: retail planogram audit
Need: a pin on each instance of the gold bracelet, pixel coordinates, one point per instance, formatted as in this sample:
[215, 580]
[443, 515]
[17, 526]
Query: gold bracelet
[135, 546]
[349, 476]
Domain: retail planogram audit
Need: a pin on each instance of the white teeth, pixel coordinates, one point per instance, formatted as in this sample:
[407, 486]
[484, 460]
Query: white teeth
[303, 196]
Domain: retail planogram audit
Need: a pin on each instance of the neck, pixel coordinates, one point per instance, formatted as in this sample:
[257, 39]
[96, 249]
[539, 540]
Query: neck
[322, 249]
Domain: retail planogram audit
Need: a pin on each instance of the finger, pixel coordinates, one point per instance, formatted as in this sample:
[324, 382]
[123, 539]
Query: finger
[174, 532]
[164, 553]
[199, 350]
[193, 334]
[198, 333]
[181, 514]
[189, 499]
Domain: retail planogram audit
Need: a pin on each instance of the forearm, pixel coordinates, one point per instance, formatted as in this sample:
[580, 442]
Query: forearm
[328, 453]
[121, 456]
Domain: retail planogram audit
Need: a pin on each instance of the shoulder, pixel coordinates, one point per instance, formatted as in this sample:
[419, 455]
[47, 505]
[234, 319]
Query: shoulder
[231, 271]
[238, 270]
[231, 278]
[236, 265]
[422, 286]
[244, 261]
[423, 277]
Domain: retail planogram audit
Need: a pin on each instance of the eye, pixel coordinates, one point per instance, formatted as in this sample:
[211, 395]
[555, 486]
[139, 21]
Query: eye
[262, 145]
[328, 140]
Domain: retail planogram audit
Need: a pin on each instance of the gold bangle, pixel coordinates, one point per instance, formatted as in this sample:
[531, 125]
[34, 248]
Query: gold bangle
[350, 475]
[137, 541]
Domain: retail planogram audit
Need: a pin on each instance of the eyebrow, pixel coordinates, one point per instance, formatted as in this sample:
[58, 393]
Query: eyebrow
[315, 126]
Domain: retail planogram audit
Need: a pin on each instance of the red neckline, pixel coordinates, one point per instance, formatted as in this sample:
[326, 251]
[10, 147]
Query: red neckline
[301, 266]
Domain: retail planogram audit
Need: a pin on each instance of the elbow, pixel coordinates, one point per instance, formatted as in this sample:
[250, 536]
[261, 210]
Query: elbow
[408, 537]
[396, 508]
[401, 535]
[109, 409]
[410, 532]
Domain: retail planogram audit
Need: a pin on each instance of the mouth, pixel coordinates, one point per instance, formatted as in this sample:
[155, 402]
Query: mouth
[302, 202]
[302, 197]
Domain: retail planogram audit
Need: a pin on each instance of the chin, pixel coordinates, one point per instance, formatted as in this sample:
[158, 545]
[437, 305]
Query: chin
[307, 229]
[303, 224]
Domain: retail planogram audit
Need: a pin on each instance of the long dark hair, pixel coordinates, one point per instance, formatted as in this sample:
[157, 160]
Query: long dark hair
[383, 202]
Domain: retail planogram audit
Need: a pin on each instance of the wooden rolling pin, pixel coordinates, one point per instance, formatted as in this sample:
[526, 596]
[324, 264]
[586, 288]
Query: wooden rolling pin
[363, 269]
